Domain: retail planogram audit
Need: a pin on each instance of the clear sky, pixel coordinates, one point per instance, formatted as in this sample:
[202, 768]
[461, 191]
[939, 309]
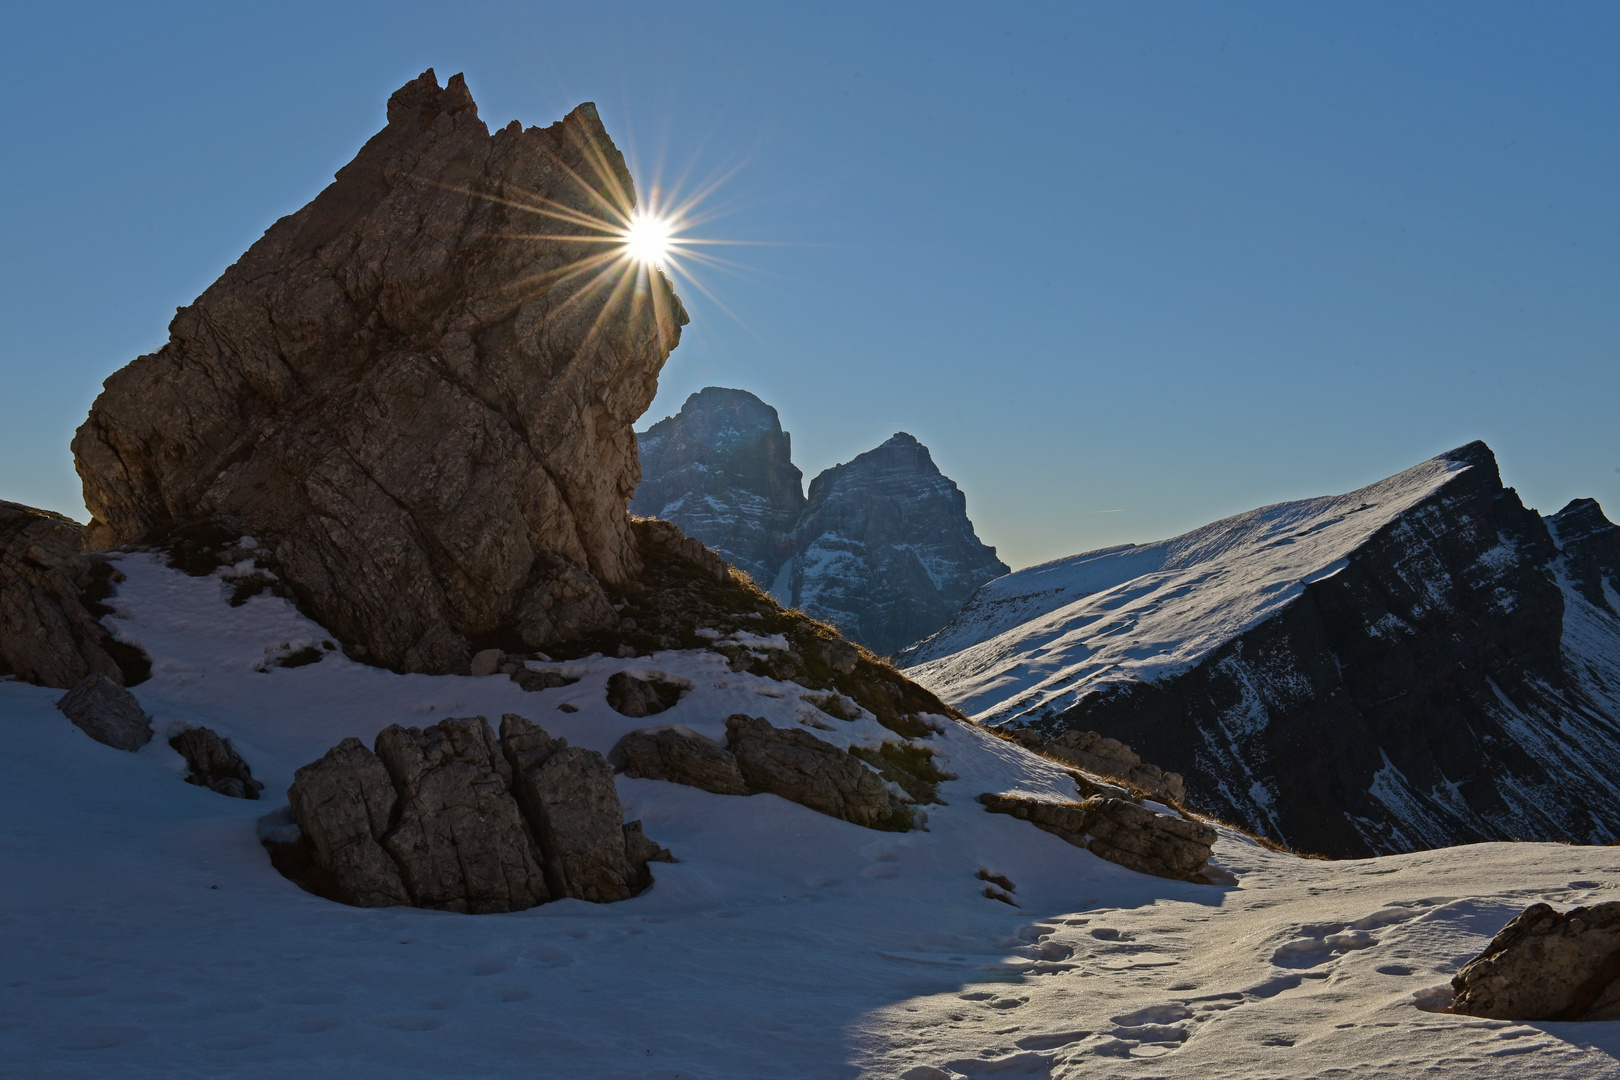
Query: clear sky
[1125, 268]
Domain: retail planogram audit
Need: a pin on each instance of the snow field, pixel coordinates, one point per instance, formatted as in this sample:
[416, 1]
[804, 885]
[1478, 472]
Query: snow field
[143, 932]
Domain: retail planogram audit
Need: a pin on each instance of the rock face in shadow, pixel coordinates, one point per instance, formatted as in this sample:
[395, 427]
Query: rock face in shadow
[456, 833]
[1119, 830]
[885, 550]
[722, 470]
[1547, 965]
[213, 763]
[635, 698]
[413, 390]
[450, 817]
[50, 633]
[1449, 675]
[107, 713]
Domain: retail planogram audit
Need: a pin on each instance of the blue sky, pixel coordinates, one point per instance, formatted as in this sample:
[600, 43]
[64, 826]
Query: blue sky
[1124, 268]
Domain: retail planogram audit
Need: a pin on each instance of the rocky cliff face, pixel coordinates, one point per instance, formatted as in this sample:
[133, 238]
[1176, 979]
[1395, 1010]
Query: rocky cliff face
[885, 550]
[50, 609]
[1421, 663]
[722, 470]
[418, 390]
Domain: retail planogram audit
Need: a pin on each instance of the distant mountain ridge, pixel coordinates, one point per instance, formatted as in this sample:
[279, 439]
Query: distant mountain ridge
[1421, 662]
[883, 548]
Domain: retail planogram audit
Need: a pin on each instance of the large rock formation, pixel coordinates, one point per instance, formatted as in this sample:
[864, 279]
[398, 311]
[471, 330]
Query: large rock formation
[1547, 965]
[885, 550]
[1419, 663]
[451, 817]
[722, 470]
[50, 633]
[418, 390]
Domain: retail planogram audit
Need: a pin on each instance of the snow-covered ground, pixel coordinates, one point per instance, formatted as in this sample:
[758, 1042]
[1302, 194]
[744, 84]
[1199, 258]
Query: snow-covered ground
[1042, 638]
[143, 932]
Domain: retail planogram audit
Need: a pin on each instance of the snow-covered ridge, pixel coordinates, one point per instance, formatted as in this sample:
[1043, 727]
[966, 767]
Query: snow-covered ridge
[1037, 640]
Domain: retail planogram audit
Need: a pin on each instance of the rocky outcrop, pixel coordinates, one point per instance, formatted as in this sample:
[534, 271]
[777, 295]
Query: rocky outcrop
[803, 769]
[1420, 663]
[418, 391]
[212, 762]
[456, 833]
[1103, 756]
[107, 713]
[633, 697]
[681, 755]
[1119, 830]
[344, 804]
[450, 817]
[787, 762]
[50, 633]
[1547, 965]
[722, 470]
[885, 550]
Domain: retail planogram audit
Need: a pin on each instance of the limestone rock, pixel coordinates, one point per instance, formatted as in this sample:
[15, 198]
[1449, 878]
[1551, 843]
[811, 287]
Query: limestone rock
[721, 469]
[801, 768]
[639, 850]
[1109, 757]
[486, 662]
[407, 391]
[683, 756]
[642, 697]
[1119, 830]
[343, 804]
[458, 838]
[107, 713]
[215, 764]
[1546, 965]
[533, 680]
[450, 817]
[49, 629]
[885, 550]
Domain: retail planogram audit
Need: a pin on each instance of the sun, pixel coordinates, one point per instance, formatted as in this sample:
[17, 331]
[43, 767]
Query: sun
[648, 238]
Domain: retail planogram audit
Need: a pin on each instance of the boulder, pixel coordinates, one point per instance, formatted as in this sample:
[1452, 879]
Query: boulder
[1547, 965]
[803, 769]
[417, 391]
[567, 793]
[457, 837]
[107, 713]
[49, 629]
[343, 804]
[682, 756]
[639, 850]
[533, 680]
[1099, 754]
[636, 698]
[1119, 830]
[213, 763]
[449, 817]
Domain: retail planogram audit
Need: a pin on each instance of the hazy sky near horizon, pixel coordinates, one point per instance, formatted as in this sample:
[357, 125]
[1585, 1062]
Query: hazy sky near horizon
[1125, 268]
